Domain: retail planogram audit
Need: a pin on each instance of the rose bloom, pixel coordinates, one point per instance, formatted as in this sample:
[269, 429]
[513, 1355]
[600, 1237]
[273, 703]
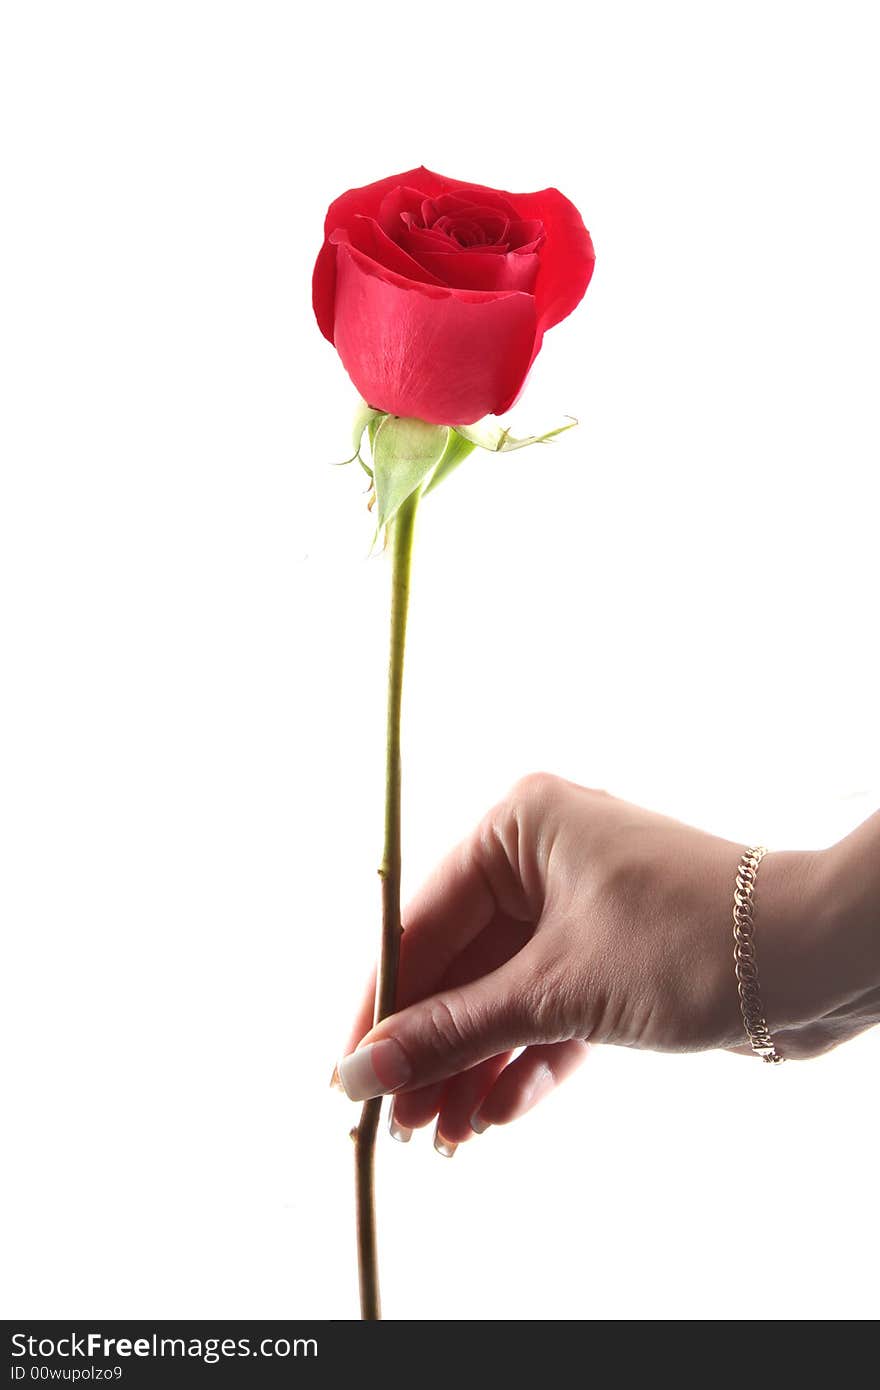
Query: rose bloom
[437, 294]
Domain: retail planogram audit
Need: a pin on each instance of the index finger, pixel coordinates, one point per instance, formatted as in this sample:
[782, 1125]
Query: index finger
[454, 905]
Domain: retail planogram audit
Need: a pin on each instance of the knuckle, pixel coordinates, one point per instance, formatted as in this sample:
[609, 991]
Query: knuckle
[446, 1025]
[490, 833]
[535, 787]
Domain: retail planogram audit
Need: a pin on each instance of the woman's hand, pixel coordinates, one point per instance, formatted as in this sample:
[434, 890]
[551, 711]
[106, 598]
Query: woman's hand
[569, 917]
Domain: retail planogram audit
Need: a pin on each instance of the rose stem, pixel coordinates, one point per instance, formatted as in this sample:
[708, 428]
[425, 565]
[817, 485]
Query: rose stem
[401, 527]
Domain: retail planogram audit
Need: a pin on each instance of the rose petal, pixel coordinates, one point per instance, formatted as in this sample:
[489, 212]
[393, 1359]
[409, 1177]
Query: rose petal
[463, 270]
[341, 213]
[368, 200]
[415, 238]
[324, 289]
[525, 236]
[488, 203]
[409, 197]
[398, 206]
[567, 255]
[366, 234]
[417, 241]
[443, 356]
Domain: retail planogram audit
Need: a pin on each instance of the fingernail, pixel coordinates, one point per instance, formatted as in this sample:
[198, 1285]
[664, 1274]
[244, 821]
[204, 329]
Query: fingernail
[477, 1125]
[397, 1131]
[335, 1083]
[442, 1145]
[374, 1070]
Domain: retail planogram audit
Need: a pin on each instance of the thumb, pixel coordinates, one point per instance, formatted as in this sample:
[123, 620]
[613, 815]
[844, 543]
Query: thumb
[444, 1034]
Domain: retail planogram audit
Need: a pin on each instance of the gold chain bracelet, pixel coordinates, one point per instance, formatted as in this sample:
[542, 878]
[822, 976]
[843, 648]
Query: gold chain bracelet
[744, 956]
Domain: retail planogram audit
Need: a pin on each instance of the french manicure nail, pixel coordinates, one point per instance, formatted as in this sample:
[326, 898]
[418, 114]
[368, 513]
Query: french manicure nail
[374, 1070]
[477, 1125]
[398, 1131]
[442, 1145]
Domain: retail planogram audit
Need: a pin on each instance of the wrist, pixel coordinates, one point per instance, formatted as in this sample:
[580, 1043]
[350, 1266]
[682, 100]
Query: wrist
[850, 897]
[790, 918]
[816, 931]
[792, 933]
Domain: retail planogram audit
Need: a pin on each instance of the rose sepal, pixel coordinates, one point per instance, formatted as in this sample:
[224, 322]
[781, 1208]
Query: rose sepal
[404, 453]
[456, 451]
[409, 455]
[498, 440]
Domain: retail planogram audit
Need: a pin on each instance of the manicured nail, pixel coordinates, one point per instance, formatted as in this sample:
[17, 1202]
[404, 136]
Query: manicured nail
[442, 1145]
[374, 1070]
[477, 1125]
[397, 1131]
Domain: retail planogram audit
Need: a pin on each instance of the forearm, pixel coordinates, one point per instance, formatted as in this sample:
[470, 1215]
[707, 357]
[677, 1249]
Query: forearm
[818, 941]
[852, 904]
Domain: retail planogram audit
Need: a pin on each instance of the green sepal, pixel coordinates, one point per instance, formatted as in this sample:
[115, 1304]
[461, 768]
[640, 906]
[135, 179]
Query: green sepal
[409, 454]
[373, 424]
[404, 452]
[366, 419]
[455, 452]
[501, 441]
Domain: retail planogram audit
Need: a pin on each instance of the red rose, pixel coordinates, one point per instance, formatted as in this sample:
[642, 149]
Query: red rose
[437, 293]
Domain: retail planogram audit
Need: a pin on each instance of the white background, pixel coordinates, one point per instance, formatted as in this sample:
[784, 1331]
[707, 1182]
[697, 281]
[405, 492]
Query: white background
[677, 601]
